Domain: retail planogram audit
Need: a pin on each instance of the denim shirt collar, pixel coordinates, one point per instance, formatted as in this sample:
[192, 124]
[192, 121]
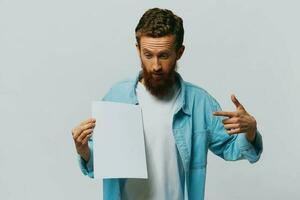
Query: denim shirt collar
[181, 103]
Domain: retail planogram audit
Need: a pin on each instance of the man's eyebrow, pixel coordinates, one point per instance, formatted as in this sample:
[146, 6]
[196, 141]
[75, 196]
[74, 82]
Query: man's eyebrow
[148, 51]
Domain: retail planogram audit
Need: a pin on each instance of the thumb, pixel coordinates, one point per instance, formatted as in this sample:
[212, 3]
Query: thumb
[236, 102]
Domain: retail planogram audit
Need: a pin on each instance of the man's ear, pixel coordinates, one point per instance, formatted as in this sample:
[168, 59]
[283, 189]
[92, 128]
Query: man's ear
[180, 52]
[138, 48]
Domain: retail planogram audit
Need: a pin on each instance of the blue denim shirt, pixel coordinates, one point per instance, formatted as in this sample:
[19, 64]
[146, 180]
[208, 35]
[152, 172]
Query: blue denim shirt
[195, 131]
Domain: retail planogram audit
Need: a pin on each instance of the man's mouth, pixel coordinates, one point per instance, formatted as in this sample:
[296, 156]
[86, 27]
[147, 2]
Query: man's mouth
[157, 75]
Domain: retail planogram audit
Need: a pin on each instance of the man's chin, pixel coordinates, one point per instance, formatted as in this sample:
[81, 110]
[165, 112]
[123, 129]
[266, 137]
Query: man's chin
[158, 87]
[157, 82]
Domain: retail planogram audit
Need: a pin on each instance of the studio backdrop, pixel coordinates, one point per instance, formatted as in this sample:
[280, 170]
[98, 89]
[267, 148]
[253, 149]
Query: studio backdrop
[58, 56]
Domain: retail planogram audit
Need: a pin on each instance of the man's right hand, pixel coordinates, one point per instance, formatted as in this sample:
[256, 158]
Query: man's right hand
[81, 134]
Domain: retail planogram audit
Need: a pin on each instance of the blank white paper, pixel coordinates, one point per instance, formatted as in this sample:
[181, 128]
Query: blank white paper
[118, 141]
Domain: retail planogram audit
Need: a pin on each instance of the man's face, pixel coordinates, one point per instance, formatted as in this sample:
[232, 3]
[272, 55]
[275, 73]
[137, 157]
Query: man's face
[158, 59]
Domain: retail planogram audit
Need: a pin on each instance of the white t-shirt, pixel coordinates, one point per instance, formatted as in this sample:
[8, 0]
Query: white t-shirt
[163, 181]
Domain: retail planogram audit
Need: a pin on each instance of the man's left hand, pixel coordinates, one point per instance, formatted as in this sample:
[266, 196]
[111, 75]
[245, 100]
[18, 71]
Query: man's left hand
[239, 121]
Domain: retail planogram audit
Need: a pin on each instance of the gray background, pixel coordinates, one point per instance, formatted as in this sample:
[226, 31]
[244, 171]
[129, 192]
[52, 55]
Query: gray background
[58, 56]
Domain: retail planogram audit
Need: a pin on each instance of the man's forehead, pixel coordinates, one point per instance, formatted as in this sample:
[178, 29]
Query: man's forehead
[165, 43]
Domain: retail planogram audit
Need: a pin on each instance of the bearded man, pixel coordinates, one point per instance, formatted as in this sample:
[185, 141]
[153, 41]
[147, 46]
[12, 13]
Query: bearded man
[181, 121]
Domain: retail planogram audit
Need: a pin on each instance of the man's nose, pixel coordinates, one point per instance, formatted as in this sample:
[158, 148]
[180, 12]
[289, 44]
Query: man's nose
[156, 65]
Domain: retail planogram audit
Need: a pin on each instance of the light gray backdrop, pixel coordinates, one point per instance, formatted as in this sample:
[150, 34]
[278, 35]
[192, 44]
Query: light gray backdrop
[58, 56]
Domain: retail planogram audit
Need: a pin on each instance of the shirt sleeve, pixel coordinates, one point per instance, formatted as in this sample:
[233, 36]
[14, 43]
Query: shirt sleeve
[235, 146]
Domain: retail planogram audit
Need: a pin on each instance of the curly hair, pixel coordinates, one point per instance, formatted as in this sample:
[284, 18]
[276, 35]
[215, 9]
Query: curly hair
[157, 22]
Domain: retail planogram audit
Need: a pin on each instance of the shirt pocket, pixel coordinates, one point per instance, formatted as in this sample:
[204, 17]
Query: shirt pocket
[199, 149]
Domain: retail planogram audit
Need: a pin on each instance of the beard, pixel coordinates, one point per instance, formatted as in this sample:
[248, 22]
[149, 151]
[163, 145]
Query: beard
[160, 84]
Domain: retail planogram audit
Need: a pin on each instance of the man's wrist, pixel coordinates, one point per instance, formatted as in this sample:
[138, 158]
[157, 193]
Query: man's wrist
[85, 155]
[251, 135]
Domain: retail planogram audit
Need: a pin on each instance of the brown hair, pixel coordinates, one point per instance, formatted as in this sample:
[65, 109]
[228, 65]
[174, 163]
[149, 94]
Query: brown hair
[157, 22]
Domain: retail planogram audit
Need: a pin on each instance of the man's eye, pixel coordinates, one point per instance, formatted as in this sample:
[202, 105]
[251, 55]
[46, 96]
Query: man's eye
[164, 56]
[148, 56]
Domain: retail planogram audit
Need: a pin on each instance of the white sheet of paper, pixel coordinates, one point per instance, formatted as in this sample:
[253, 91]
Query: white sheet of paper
[118, 139]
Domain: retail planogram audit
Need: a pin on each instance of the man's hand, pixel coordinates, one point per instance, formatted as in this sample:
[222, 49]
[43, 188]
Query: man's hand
[239, 121]
[81, 134]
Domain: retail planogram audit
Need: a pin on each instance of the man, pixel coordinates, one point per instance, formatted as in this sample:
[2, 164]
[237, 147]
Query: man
[181, 121]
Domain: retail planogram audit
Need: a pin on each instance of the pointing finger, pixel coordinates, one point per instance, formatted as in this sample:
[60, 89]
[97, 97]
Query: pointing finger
[226, 114]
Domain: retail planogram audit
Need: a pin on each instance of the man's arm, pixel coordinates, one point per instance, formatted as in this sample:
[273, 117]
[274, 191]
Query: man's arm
[83, 142]
[87, 167]
[235, 137]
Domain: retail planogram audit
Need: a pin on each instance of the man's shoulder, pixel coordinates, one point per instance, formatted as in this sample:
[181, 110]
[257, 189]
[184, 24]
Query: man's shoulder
[195, 89]
[121, 88]
[197, 93]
